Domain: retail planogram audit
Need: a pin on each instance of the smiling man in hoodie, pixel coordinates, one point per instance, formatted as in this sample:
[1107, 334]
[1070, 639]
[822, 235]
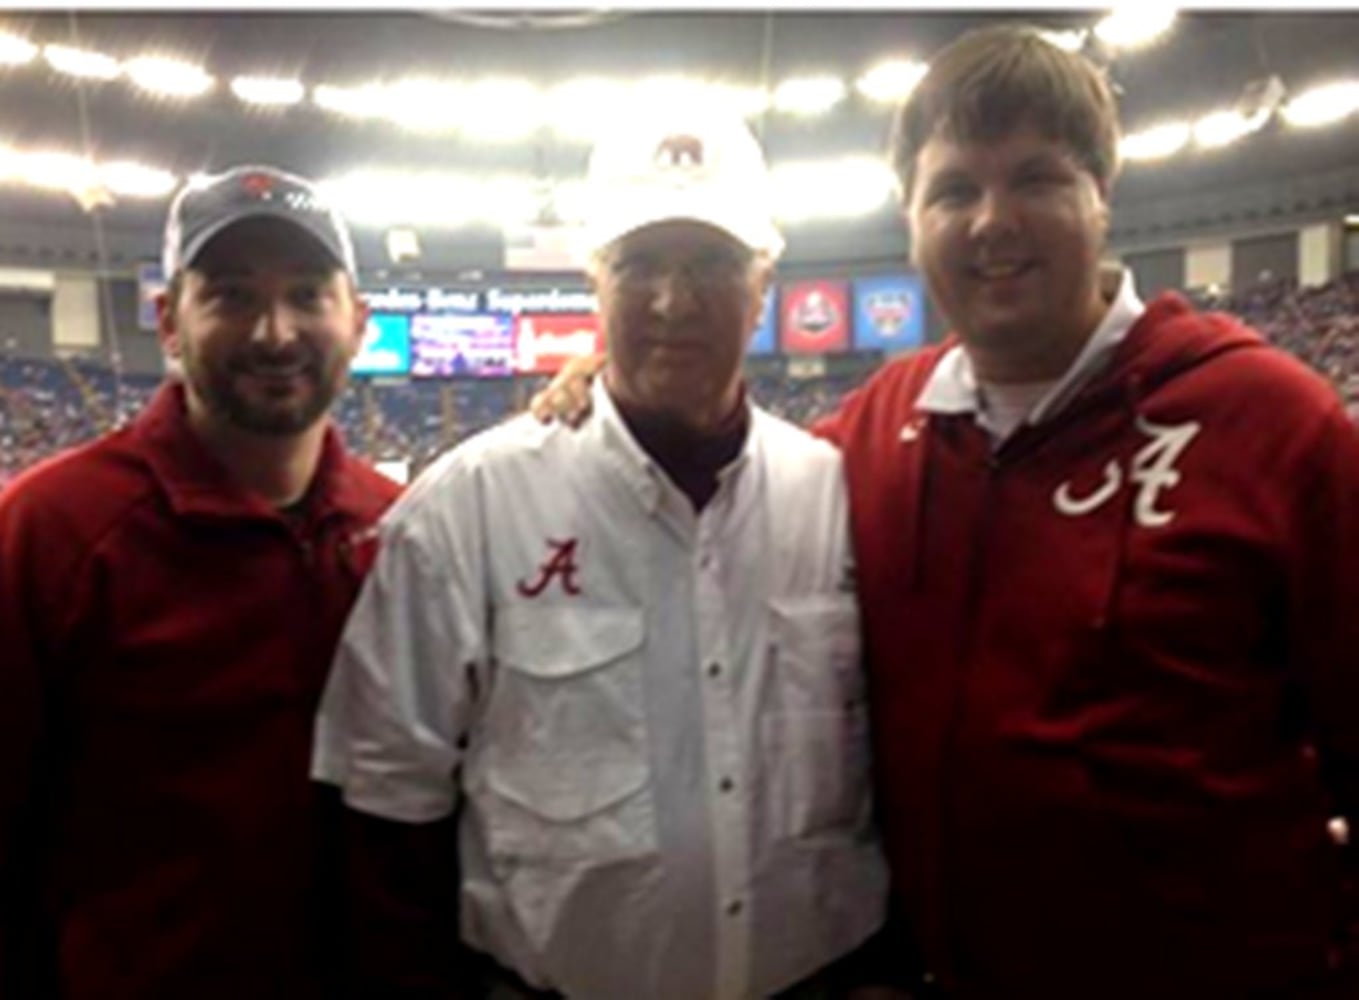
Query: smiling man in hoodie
[1108, 555]
[1108, 560]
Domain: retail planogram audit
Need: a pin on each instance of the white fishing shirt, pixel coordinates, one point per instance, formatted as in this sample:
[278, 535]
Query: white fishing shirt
[652, 720]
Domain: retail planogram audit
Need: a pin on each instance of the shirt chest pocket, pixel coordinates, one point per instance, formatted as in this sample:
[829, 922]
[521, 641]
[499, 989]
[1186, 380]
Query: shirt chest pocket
[816, 741]
[563, 749]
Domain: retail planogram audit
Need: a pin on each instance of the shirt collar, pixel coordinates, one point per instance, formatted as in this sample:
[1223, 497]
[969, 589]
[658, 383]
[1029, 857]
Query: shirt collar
[639, 470]
[952, 386]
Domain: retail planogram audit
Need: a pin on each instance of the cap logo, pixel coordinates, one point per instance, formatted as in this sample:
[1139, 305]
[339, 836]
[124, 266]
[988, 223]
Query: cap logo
[679, 152]
[258, 185]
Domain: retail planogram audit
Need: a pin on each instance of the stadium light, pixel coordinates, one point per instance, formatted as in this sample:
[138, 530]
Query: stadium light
[665, 95]
[1132, 25]
[845, 188]
[136, 180]
[1155, 143]
[268, 91]
[570, 200]
[82, 63]
[433, 199]
[422, 104]
[384, 198]
[583, 108]
[16, 51]
[507, 201]
[749, 101]
[501, 109]
[9, 162]
[58, 171]
[1222, 128]
[808, 95]
[1323, 105]
[168, 77]
[53, 170]
[891, 81]
[1068, 41]
[362, 195]
[579, 108]
[366, 101]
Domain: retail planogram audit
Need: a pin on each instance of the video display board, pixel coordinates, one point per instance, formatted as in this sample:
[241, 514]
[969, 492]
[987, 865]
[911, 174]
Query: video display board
[386, 348]
[473, 344]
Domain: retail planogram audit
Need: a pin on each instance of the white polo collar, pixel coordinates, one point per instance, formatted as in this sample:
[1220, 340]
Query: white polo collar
[952, 386]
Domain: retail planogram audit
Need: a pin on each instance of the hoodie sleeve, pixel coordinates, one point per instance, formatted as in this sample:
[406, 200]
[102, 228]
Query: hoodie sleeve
[1324, 625]
[23, 680]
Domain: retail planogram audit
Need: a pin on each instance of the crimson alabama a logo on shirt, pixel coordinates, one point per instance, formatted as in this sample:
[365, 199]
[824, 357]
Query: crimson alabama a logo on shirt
[560, 565]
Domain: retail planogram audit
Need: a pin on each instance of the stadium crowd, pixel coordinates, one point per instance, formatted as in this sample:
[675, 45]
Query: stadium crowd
[48, 405]
[1319, 325]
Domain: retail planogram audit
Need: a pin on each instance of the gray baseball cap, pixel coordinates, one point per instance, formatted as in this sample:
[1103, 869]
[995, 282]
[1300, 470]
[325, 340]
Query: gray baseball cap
[202, 210]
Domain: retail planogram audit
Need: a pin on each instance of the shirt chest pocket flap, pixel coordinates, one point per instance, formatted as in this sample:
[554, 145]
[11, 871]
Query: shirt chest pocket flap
[565, 733]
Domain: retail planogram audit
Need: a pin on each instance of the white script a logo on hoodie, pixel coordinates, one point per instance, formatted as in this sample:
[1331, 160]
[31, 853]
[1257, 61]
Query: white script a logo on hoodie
[1152, 469]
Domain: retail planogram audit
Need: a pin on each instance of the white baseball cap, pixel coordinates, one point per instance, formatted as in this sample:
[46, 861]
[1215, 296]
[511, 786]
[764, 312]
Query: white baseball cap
[699, 163]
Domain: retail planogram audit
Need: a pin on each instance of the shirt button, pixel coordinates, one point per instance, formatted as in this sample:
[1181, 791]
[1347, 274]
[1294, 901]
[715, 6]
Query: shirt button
[726, 785]
[1339, 830]
[714, 669]
[735, 907]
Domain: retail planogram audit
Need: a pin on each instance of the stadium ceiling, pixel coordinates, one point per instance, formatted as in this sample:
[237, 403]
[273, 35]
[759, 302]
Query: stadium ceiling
[1205, 62]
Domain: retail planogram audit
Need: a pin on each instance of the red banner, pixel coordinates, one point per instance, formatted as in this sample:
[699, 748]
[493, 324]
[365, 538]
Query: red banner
[814, 317]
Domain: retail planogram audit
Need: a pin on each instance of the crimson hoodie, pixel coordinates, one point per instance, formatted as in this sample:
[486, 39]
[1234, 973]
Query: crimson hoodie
[166, 638]
[1113, 671]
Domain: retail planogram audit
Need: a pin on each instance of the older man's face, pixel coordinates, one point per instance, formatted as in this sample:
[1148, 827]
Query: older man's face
[679, 301]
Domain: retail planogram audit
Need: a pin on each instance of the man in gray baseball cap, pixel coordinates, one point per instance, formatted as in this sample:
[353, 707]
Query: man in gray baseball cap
[238, 238]
[170, 596]
[203, 210]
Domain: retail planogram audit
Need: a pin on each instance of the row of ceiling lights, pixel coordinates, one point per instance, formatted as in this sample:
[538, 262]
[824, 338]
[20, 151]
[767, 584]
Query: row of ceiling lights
[844, 187]
[507, 109]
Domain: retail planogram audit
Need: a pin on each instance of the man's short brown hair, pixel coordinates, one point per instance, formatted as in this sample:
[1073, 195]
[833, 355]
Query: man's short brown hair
[993, 80]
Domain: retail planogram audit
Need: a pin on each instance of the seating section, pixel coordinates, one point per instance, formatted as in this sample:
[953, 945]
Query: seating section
[49, 405]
